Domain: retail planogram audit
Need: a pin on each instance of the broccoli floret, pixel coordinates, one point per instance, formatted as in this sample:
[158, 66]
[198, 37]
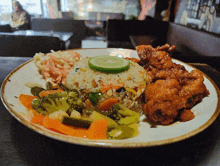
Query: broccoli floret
[75, 103]
[123, 115]
[35, 104]
[54, 104]
[65, 101]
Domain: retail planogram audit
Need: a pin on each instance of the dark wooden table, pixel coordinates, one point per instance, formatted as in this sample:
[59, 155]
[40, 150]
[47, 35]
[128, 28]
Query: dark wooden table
[20, 146]
[64, 36]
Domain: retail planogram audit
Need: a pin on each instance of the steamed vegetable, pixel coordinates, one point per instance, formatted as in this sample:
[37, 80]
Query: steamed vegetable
[49, 85]
[75, 103]
[51, 104]
[26, 100]
[76, 122]
[95, 96]
[121, 132]
[123, 115]
[98, 129]
[61, 100]
[96, 115]
[36, 117]
[36, 91]
[48, 92]
[62, 110]
[64, 129]
[107, 104]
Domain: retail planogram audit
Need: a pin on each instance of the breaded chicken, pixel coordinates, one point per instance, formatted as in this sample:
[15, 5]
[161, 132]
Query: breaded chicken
[173, 88]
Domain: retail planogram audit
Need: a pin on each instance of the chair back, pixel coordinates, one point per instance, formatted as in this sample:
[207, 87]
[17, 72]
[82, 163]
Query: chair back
[5, 28]
[27, 46]
[120, 30]
[194, 46]
[190, 41]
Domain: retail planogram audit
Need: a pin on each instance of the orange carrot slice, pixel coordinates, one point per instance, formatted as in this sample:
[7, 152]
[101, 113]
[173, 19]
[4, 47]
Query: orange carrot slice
[47, 92]
[118, 86]
[98, 129]
[107, 104]
[26, 100]
[56, 125]
[37, 118]
[106, 87]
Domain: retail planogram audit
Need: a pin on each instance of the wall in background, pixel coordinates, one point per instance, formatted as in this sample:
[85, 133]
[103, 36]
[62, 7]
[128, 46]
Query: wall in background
[199, 14]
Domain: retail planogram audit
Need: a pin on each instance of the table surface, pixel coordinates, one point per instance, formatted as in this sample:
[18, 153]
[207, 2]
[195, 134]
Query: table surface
[20, 146]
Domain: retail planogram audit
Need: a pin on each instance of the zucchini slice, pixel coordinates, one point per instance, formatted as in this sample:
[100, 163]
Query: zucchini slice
[76, 122]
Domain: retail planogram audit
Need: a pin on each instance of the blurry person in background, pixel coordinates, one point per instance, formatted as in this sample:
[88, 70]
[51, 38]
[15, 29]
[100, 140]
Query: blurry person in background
[20, 19]
[147, 9]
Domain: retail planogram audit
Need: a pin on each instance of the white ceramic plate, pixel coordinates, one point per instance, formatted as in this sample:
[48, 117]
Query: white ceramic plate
[205, 112]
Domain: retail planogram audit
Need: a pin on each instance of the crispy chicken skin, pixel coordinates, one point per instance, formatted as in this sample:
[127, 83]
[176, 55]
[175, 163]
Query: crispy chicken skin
[174, 90]
[163, 100]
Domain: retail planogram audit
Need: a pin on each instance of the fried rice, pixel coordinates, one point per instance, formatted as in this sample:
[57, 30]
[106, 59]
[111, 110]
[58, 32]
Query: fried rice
[127, 86]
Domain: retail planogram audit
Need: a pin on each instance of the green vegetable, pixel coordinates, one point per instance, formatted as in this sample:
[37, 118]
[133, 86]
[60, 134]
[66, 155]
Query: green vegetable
[58, 95]
[76, 122]
[75, 104]
[49, 86]
[89, 111]
[67, 100]
[123, 115]
[35, 104]
[121, 132]
[36, 90]
[96, 116]
[95, 96]
[63, 87]
[51, 103]
[54, 104]
[73, 93]
[110, 64]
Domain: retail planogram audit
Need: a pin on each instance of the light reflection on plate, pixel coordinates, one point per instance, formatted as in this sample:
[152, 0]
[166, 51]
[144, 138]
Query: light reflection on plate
[206, 111]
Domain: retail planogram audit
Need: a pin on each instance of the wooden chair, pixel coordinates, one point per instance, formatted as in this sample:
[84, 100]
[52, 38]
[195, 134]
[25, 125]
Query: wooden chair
[27, 46]
[5, 28]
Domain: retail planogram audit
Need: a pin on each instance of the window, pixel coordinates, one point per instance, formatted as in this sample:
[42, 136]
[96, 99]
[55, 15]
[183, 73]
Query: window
[83, 8]
[32, 6]
[5, 11]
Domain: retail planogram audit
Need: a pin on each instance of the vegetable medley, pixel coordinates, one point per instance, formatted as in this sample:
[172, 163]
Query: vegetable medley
[63, 110]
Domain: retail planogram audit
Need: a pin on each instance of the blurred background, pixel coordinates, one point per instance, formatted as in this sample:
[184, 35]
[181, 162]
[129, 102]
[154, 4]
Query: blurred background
[76, 9]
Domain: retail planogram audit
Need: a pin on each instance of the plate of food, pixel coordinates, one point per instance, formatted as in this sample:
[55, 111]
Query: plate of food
[111, 97]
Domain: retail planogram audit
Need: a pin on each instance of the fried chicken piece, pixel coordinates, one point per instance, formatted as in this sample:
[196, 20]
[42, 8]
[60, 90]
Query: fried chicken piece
[150, 56]
[193, 89]
[186, 115]
[169, 49]
[163, 101]
[133, 59]
[173, 88]
[177, 71]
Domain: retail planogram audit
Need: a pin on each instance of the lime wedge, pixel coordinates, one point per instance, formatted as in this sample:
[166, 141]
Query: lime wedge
[110, 64]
